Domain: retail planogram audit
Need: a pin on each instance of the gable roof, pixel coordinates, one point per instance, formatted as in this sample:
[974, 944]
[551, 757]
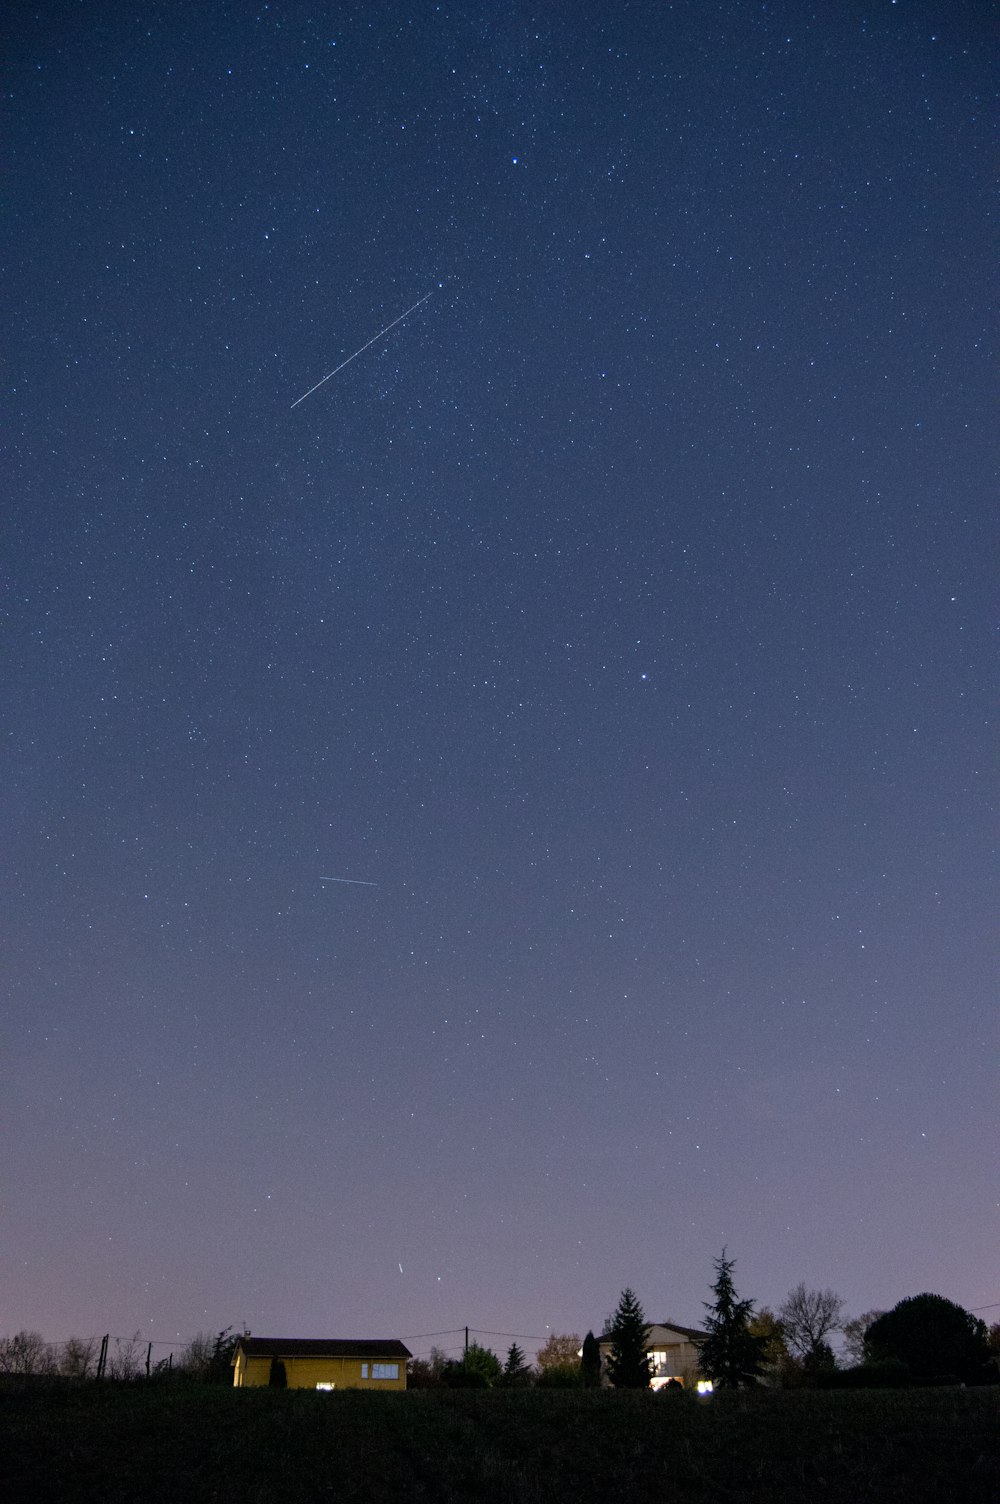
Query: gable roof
[322, 1347]
[692, 1333]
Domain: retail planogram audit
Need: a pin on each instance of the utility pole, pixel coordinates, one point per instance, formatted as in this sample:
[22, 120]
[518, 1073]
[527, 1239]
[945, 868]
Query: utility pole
[466, 1341]
[103, 1359]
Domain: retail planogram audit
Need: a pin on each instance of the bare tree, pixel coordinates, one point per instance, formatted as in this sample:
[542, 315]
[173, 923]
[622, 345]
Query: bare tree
[854, 1334]
[26, 1352]
[197, 1356]
[807, 1317]
[79, 1358]
[128, 1357]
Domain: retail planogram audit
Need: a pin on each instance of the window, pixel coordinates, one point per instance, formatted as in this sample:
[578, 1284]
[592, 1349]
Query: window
[384, 1370]
[326, 1386]
[364, 1370]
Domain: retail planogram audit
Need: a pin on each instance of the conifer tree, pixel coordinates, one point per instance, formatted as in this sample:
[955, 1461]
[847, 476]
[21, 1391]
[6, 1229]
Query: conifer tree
[627, 1365]
[516, 1372]
[731, 1354]
[590, 1362]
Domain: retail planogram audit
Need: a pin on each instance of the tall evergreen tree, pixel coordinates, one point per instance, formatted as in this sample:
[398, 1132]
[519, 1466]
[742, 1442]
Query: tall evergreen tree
[590, 1362]
[627, 1365]
[516, 1373]
[731, 1354]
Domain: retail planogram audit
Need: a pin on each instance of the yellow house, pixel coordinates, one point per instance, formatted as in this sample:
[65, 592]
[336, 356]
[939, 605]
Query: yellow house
[319, 1363]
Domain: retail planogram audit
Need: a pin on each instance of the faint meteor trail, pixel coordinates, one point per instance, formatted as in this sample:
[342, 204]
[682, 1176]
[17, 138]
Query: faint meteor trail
[347, 362]
[357, 882]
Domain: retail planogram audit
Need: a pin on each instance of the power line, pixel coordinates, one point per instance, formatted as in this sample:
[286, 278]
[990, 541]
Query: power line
[525, 1336]
[416, 1336]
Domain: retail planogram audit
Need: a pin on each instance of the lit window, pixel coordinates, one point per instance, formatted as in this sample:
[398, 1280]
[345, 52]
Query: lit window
[326, 1386]
[385, 1370]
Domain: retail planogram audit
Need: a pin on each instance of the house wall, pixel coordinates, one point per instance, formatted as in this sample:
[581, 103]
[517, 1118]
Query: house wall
[306, 1373]
[681, 1354]
[676, 1356]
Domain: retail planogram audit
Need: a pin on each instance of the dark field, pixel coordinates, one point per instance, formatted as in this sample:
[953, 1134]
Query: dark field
[186, 1445]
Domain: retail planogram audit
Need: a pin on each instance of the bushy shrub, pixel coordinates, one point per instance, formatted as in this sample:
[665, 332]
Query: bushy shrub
[890, 1374]
[457, 1376]
[560, 1376]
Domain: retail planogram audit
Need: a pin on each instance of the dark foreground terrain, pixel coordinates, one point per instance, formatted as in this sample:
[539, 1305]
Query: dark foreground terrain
[187, 1445]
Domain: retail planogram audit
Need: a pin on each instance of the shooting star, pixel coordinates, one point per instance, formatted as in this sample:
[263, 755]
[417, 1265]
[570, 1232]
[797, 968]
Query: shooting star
[357, 882]
[364, 347]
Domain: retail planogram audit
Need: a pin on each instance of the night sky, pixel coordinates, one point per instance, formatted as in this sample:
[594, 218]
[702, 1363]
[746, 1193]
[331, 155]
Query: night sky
[620, 615]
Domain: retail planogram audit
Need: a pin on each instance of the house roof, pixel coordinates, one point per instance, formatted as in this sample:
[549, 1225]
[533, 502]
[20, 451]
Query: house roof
[322, 1347]
[692, 1333]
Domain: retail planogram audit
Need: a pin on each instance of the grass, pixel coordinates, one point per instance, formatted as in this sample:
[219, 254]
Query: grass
[188, 1445]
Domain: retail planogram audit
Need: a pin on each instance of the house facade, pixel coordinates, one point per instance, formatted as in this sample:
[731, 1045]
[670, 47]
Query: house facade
[672, 1351]
[320, 1362]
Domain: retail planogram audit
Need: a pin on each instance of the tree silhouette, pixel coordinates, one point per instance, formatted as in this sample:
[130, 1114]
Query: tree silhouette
[590, 1362]
[731, 1354]
[516, 1373]
[808, 1317]
[627, 1365]
[932, 1336]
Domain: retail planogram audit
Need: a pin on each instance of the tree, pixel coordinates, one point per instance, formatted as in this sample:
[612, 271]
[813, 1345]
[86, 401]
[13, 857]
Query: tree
[126, 1363]
[627, 1364]
[516, 1373]
[479, 1369]
[590, 1362]
[210, 1359]
[194, 1359]
[26, 1352]
[559, 1352]
[220, 1363]
[427, 1373]
[808, 1317]
[853, 1332]
[775, 1358]
[819, 1359]
[731, 1354]
[79, 1358]
[932, 1336]
[560, 1376]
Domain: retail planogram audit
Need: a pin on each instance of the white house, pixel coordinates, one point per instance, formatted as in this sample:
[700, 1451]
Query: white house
[672, 1351]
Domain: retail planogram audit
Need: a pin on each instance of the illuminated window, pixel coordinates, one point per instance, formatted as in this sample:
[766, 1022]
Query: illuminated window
[326, 1386]
[385, 1371]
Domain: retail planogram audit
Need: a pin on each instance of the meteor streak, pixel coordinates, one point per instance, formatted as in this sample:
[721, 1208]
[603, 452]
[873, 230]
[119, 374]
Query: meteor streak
[357, 882]
[347, 362]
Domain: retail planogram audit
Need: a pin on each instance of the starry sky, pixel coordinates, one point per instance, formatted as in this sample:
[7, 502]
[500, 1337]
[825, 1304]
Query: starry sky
[617, 622]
